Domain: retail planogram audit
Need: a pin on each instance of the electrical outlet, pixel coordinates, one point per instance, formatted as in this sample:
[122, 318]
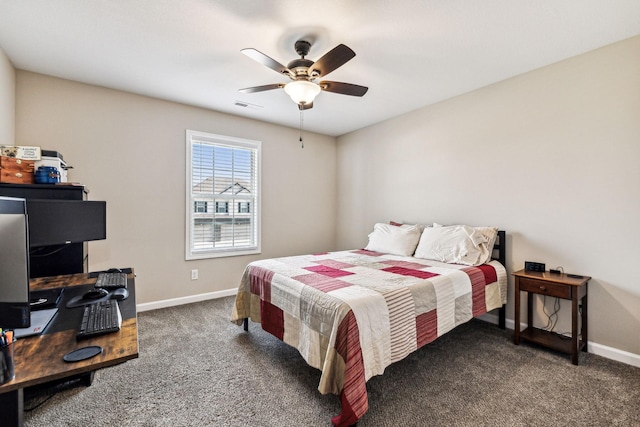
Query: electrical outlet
[194, 274]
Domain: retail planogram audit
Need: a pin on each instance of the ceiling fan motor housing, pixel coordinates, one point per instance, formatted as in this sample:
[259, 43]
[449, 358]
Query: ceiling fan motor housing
[302, 47]
[300, 66]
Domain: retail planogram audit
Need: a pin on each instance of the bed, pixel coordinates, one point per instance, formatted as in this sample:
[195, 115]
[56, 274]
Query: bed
[353, 313]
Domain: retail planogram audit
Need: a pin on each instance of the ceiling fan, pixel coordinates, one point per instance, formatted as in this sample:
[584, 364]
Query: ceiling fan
[303, 72]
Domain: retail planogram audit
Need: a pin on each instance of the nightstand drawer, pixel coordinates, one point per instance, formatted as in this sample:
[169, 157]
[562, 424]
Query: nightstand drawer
[545, 288]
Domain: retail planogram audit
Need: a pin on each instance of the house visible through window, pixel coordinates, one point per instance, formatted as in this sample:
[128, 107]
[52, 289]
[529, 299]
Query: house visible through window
[223, 196]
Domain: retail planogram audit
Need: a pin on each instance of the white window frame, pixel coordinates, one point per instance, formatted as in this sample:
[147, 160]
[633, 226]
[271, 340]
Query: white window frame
[192, 253]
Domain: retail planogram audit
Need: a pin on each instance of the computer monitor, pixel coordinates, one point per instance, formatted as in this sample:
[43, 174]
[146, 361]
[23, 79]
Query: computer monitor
[14, 264]
[59, 222]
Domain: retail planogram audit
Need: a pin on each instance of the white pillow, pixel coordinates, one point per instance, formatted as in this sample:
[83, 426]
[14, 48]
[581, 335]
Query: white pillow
[391, 239]
[402, 224]
[490, 234]
[456, 244]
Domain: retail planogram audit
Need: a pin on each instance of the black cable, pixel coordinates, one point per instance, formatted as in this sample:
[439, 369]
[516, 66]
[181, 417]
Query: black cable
[544, 310]
[48, 253]
[39, 404]
[50, 391]
[552, 319]
[567, 335]
[556, 309]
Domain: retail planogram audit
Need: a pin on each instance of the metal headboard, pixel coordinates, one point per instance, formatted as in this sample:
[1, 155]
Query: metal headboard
[500, 247]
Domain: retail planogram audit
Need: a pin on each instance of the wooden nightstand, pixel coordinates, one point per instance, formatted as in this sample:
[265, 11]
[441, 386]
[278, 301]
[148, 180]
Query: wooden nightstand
[553, 285]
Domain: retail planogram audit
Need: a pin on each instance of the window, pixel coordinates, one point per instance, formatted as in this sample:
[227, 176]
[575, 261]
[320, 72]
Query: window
[222, 207]
[223, 196]
[200, 206]
[243, 207]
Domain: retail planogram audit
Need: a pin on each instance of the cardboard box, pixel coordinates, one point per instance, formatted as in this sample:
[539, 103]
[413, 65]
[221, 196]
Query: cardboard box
[16, 171]
[24, 153]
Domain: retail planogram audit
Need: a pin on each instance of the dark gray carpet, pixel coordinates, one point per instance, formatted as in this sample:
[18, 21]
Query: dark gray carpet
[197, 369]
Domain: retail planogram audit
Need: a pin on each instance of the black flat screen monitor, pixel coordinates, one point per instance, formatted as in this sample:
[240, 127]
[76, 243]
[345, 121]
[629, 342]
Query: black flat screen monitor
[59, 222]
[14, 264]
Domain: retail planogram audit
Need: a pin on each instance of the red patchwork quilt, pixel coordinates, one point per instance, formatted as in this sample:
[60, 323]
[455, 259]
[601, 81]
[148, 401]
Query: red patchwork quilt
[353, 313]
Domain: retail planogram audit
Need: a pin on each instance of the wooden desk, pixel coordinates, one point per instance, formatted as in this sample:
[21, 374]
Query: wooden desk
[559, 286]
[38, 359]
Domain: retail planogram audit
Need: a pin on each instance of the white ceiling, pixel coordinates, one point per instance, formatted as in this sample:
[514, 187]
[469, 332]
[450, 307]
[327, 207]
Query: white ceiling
[410, 53]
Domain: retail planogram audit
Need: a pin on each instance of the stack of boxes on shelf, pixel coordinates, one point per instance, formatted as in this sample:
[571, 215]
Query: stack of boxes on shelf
[29, 165]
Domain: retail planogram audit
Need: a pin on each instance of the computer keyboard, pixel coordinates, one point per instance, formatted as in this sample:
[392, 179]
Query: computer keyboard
[99, 318]
[111, 281]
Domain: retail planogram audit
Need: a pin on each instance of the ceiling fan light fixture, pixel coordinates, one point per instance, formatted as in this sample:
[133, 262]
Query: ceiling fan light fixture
[302, 91]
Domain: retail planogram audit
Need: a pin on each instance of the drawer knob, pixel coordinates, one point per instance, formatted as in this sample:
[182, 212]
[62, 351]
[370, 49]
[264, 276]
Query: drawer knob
[542, 288]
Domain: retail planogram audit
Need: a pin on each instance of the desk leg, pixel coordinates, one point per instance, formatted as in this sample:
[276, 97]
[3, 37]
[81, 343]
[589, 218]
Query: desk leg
[12, 404]
[87, 379]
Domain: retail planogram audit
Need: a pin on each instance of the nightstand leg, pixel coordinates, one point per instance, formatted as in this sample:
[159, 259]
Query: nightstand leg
[529, 310]
[574, 329]
[516, 317]
[585, 336]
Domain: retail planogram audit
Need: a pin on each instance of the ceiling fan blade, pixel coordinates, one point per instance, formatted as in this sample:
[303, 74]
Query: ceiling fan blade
[261, 88]
[331, 60]
[343, 88]
[306, 106]
[265, 60]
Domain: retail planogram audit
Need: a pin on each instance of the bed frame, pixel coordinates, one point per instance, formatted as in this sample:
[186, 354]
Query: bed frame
[500, 247]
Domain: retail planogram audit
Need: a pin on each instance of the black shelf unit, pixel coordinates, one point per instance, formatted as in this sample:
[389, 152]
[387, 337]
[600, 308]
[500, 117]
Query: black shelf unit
[58, 259]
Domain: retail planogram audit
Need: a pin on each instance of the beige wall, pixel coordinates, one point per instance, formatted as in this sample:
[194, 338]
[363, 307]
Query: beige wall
[7, 100]
[551, 156]
[130, 151]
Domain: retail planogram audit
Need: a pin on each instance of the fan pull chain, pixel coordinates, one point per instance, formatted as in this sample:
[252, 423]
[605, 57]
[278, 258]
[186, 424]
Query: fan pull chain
[301, 122]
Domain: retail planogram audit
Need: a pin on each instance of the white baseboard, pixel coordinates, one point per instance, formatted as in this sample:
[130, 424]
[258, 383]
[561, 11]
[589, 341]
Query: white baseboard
[592, 347]
[614, 354]
[185, 300]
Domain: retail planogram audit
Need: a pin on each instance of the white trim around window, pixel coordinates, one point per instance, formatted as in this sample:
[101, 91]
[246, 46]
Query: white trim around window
[223, 175]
